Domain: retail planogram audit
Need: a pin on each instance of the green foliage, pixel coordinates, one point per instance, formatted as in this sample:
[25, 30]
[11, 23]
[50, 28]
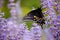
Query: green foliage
[15, 1]
[30, 3]
[5, 9]
[29, 24]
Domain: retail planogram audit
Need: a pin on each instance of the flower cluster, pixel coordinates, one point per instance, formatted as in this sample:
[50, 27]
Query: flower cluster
[12, 7]
[51, 14]
[36, 31]
[53, 31]
[21, 32]
[3, 26]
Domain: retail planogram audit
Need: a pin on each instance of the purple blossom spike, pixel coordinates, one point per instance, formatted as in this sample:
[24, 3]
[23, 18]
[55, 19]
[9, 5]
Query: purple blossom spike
[58, 17]
[11, 0]
[36, 31]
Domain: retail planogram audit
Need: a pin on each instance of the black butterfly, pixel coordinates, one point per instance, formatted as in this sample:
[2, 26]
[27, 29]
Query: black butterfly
[36, 15]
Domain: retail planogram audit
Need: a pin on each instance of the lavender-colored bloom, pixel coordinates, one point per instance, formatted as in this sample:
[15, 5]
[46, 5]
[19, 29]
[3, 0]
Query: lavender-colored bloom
[20, 31]
[3, 22]
[58, 17]
[13, 30]
[11, 0]
[27, 35]
[11, 5]
[1, 3]
[13, 11]
[3, 26]
[48, 34]
[36, 31]
[54, 31]
[22, 28]
[58, 5]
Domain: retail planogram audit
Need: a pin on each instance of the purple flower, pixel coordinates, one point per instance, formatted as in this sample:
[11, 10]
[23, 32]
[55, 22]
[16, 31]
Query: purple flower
[11, 0]
[11, 5]
[3, 26]
[58, 17]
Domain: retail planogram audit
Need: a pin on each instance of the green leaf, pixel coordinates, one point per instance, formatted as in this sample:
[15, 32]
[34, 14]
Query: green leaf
[5, 9]
[29, 24]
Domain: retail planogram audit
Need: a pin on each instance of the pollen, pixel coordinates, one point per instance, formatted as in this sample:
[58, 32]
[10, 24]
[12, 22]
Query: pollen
[35, 17]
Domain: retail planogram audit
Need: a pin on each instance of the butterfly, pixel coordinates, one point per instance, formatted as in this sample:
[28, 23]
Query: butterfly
[36, 15]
